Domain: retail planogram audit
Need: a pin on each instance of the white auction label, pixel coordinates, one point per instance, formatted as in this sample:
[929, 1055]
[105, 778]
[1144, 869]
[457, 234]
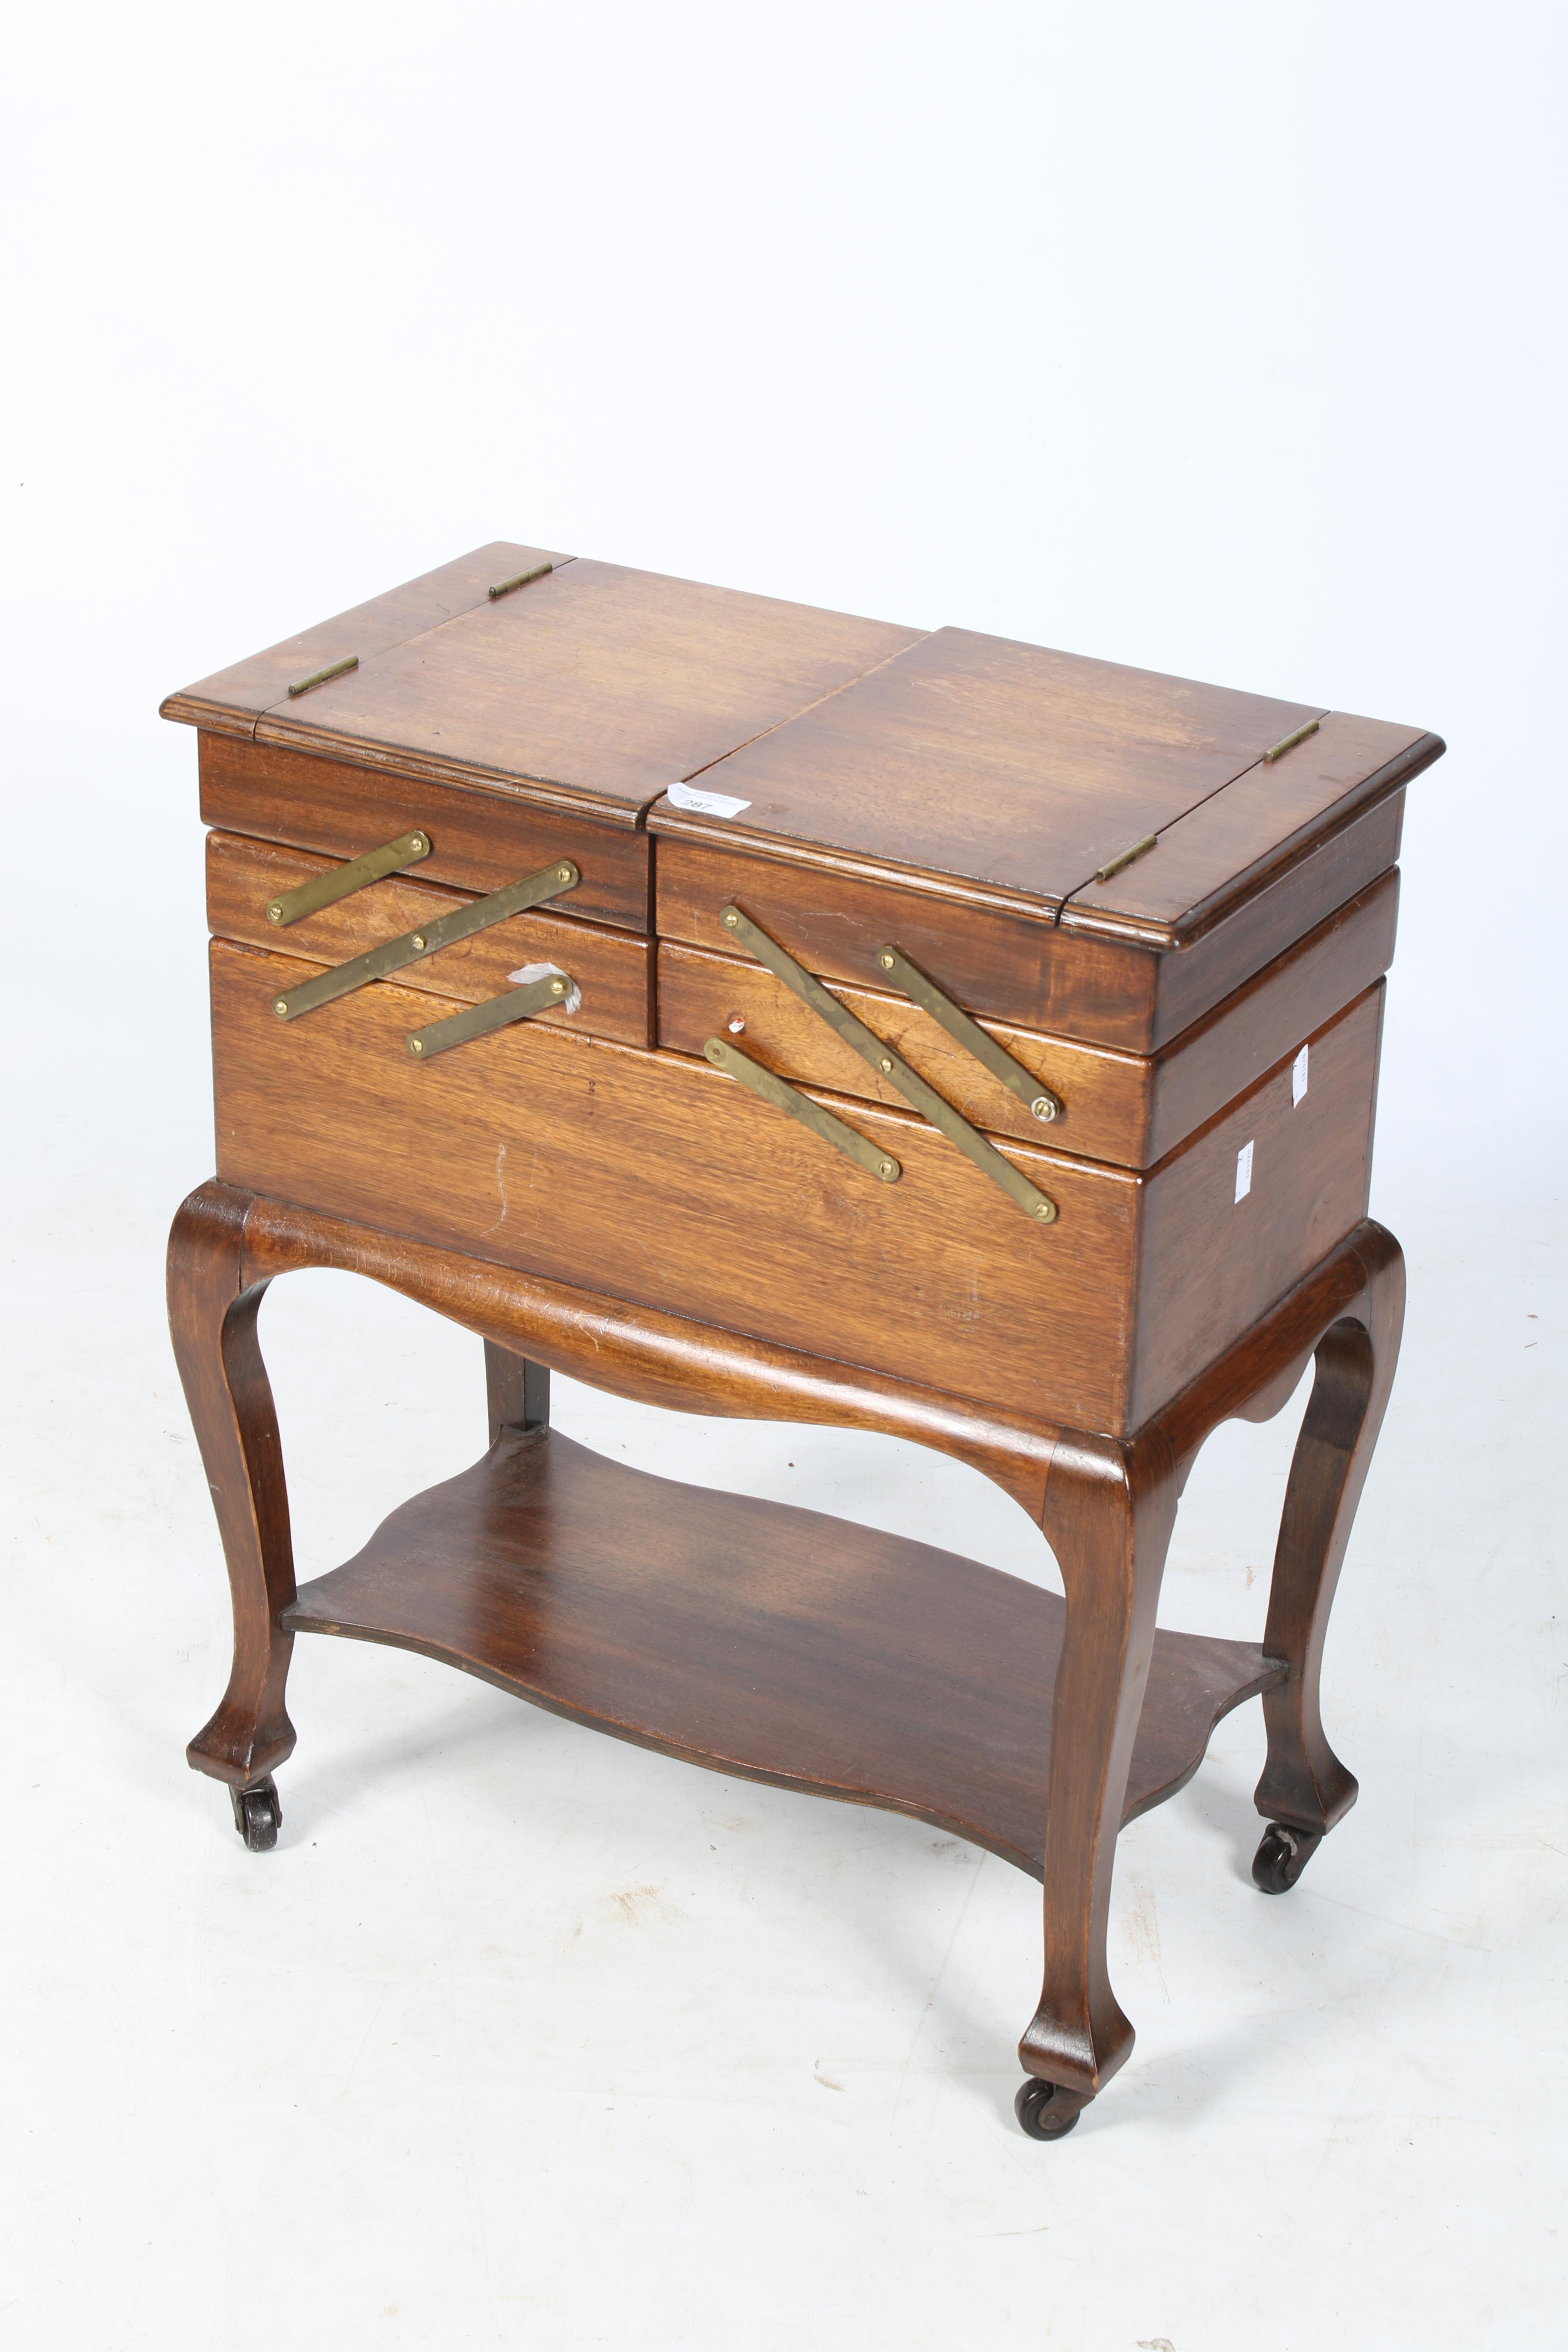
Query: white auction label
[1244, 1170]
[530, 973]
[1299, 1078]
[687, 796]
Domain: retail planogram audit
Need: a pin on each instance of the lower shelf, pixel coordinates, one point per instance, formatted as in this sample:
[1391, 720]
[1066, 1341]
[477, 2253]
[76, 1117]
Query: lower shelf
[759, 1640]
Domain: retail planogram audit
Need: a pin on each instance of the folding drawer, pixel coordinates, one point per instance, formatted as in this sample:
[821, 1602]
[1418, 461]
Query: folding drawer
[611, 970]
[652, 1176]
[1102, 1104]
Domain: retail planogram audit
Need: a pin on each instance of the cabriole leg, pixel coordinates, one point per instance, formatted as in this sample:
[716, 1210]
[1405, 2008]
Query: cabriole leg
[212, 1321]
[1305, 1788]
[1108, 1514]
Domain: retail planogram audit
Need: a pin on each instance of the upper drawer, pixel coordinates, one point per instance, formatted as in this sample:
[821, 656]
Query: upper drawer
[1003, 775]
[1096, 851]
[519, 705]
[612, 969]
[1128, 1108]
[479, 841]
[1006, 966]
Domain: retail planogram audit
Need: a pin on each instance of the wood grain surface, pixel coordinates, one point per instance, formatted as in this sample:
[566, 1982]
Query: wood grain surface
[517, 1391]
[1222, 1054]
[1000, 958]
[602, 683]
[768, 1641]
[479, 841]
[657, 1180]
[641, 1352]
[1128, 1108]
[213, 1313]
[1223, 851]
[581, 1196]
[1107, 1096]
[759, 1640]
[1011, 966]
[614, 969]
[1210, 1263]
[999, 774]
[232, 701]
[1200, 974]
[1303, 1784]
[1005, 763]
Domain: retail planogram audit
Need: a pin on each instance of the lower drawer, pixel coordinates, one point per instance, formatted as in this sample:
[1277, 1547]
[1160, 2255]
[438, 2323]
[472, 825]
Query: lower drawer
[479, 841]
[1131, 1109]
[613, 969]
[653, 1178]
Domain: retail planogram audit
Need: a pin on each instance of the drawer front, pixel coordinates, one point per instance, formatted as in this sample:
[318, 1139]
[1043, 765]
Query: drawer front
[613, 969]
[651, 1177]
[1008, 963]
[1106, 1098]
[1130, 1108]
[1003, 964]
[479, 841]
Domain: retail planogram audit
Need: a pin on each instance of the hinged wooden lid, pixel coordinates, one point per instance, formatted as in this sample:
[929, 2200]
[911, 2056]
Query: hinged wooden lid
[1105, 798]
[974, 768]
[581, 684]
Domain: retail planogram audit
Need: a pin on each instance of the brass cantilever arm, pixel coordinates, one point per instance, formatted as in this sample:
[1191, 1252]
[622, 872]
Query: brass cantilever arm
[494, 1013]
[342, 881]
[924, 992]
[881, 1059]
[771, 1088]
[392, 955]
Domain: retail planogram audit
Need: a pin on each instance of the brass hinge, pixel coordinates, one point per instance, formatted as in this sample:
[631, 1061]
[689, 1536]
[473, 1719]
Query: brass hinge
[1288, 742]
[968, 1033]
[1125, 856]
[520, 580]
[320, 676]
[393, 955]
[326, 889]
[783, 1096]
[892, 1067]
[495, 1012]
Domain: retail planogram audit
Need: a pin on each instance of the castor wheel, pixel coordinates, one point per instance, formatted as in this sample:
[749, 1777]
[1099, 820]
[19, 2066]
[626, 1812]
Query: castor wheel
[258, 1815]
[1045, 2110]
[1282, 1857]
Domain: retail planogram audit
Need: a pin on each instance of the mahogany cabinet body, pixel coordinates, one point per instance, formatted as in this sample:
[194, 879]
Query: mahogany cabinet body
[1171, 908]
[646, 1174]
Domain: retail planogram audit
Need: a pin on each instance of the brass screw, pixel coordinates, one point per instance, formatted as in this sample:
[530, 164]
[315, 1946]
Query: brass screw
[558, 988]
[415, 1046]
[885, 960]
[1045, 1212]
[418, 843]
[280, 1006]
[887, 1064]
[1043, 1107]
[417, 940]
[563, 874]
[886, 1169]
[730, 918]
[275, 912]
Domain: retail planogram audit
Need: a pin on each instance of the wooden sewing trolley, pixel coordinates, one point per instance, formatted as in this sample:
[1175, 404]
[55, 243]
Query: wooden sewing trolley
[761, 1012]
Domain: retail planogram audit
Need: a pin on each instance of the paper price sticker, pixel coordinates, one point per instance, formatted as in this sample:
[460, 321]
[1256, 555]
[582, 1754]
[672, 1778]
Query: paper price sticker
[1244, 1170]
[1298, 1077]
[687, 796]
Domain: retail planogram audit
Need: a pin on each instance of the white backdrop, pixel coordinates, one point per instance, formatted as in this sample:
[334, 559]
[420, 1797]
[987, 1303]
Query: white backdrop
[1217, 340]
[1224, 339]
